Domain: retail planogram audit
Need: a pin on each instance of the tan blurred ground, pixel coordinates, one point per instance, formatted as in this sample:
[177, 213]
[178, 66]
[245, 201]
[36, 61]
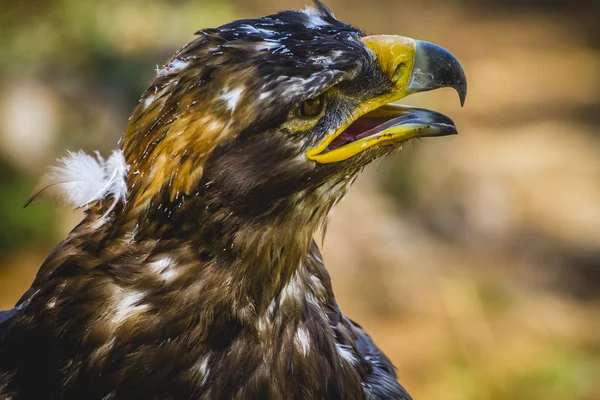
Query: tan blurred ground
[473, 260]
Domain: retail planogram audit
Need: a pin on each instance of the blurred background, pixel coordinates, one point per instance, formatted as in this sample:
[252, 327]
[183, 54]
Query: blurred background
[473, 260]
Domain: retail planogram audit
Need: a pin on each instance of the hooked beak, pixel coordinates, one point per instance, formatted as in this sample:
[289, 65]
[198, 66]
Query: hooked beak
[412, 66]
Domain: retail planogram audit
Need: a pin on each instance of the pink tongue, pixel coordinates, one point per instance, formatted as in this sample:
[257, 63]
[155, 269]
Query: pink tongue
[358, 127]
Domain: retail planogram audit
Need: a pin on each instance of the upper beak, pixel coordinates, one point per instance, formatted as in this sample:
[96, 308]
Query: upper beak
[412, 66]
[436, 68]
[416, 66]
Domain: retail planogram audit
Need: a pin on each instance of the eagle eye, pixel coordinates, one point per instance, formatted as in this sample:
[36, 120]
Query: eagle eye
[312, 107]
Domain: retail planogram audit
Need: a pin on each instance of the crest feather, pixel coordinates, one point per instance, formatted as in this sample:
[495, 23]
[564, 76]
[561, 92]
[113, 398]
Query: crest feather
[324, 10]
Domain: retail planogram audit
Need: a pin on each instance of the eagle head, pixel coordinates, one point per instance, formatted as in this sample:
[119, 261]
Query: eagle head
[275, 116]
[194, 273]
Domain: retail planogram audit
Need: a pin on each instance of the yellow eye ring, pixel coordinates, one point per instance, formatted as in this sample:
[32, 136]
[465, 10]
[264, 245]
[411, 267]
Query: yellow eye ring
[312, 107]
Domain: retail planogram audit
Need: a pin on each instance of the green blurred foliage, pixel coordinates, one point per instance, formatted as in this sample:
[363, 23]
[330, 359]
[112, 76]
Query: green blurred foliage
[20, 229]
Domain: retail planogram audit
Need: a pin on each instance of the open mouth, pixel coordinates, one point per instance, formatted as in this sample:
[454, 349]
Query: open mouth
[379, 123]
[392, 124]
[384, 126]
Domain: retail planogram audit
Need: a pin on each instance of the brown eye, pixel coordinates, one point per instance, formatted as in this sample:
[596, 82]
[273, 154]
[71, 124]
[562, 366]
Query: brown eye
[312, 107]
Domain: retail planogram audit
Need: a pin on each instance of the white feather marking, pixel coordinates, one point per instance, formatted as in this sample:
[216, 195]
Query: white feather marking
[268, 44]
[293, 291]
[232, 97]
[172, 68]
[253, 29]
[164, 268]
[149, 100]
[346, 354]
[160, 265]
[201, 368]
[128, 305]
[265, 95]
[302, 340]
[320, 60]
[82, 179]
[52, 303]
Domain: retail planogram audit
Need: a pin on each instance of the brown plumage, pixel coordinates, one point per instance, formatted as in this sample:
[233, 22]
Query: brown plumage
[202, 281]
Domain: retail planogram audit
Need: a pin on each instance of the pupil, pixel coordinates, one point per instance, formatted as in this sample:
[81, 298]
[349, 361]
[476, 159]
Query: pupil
[311, 107]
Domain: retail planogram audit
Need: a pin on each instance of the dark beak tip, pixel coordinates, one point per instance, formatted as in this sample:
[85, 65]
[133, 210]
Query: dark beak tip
[451, 131]
[462, 90]
[463, 97]
[435, 67]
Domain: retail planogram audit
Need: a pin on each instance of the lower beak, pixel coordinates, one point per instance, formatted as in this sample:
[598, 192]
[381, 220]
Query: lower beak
[387, 125]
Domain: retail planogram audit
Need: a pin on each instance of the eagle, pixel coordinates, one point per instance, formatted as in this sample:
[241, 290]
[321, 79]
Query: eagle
[194, 273]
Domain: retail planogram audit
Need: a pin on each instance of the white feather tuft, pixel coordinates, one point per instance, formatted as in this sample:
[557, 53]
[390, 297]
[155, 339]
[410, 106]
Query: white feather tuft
[82, 179]
[116, 169]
